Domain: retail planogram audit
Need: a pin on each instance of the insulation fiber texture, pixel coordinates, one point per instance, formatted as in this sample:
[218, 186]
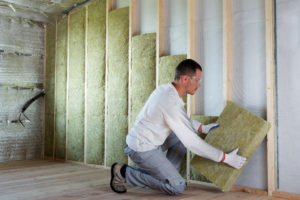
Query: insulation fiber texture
[117, 86]
[95, 97]
[239, 128]
[76, 92]
[49, 89]
[61, 89]
[143, 74]
[167, 66]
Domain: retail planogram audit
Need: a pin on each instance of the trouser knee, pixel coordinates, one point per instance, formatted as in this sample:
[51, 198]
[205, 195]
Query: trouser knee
[178, 187]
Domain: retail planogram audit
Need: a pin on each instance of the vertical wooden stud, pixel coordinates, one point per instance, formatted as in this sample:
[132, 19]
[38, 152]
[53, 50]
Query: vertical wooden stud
[54, 108]
[132, 32]
[271, 96]
[109, 6]
[227, 50]
[44, 86]
[67, 97]
[160, 35]
[85, 82]
[190, 54]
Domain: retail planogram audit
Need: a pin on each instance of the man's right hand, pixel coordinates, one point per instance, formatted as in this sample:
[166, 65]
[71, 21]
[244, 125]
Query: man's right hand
[234, 160]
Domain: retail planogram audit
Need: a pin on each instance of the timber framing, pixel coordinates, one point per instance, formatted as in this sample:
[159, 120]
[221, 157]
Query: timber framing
[160, 35]
[110, 4]
[132, 33]
[227, 51]
[227, 78]
[190, 54]
[271, 95]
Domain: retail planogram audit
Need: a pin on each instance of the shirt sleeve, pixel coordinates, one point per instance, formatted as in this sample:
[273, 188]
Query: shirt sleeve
[195, 125]
[183, 127]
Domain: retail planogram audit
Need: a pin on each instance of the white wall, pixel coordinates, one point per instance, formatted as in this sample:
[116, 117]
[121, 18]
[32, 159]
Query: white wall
[288, 73]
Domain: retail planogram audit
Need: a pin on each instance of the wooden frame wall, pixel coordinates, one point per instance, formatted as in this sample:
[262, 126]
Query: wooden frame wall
[227, 79]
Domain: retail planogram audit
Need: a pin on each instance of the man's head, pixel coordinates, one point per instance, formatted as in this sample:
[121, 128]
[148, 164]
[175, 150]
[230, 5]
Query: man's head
[188, 75]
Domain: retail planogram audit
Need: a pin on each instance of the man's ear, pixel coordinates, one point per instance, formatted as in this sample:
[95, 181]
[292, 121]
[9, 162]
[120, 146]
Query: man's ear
[184, 77]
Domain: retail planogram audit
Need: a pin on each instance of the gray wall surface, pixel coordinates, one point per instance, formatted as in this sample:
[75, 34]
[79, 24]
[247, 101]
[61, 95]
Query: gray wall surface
[21, 77]
[209, 98]
[175, 27]
[248, 78]
[288, 73]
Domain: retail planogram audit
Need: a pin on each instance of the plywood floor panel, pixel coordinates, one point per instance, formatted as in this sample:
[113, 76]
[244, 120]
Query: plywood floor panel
[56, 180]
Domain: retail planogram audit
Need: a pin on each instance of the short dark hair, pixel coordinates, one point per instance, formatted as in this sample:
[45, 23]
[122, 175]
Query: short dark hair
[187, 67]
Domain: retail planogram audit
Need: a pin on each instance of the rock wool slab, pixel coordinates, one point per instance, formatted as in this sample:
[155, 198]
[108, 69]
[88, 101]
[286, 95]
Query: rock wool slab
[167, 66]
[95, 97]
[239, 128]
[61, 88]
[143, 72]
[116, 125]
[76, 93]
[49, 89]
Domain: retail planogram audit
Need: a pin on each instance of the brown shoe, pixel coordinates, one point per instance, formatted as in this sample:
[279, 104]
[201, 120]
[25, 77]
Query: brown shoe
[117, 181]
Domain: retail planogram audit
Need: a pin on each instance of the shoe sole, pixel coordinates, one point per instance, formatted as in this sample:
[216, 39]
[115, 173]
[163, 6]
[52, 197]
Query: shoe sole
[112, 177]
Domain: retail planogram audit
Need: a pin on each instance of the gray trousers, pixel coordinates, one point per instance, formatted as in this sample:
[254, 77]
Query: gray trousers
[157, 170]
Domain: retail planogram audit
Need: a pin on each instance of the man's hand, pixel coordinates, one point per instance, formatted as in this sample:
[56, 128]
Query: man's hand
[234, 160]
[206, 128]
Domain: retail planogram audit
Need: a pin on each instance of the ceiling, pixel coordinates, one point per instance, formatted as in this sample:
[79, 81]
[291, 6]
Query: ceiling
[37, 10]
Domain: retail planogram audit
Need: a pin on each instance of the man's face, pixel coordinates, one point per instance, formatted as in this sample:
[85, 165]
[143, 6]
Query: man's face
[194, 82]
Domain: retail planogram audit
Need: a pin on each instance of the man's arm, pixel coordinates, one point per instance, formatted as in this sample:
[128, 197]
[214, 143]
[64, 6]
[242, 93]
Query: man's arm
[181, 125]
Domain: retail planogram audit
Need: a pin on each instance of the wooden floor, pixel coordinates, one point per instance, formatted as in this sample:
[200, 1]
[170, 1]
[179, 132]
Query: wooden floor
[34, 180]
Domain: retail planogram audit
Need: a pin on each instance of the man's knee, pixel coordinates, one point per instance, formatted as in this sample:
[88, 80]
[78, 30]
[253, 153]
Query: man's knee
[178, 187]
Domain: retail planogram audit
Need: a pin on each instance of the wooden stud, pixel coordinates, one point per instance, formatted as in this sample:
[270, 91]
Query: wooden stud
[271, 96]
[132, 32]
[190, 54]
[109, 6]
[227, 51]
[191, 48]
[85, 82]
[67, 92]
[44, 86]
[159, 35]
[54, 108]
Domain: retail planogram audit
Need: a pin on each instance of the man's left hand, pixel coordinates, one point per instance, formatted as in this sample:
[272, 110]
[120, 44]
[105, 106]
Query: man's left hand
[206, 128]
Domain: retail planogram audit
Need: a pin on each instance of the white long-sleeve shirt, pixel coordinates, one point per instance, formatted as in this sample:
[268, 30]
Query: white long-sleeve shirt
[163, 114]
